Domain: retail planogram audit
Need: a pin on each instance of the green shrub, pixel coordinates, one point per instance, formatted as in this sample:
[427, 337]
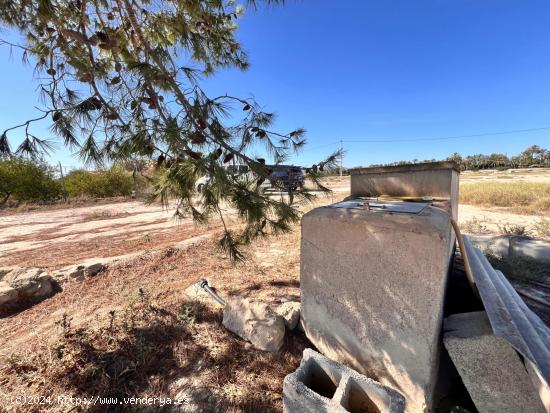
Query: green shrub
[99, 184]
[25, 180]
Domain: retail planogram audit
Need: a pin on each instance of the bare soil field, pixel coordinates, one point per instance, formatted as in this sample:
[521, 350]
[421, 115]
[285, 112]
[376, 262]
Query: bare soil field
[59, 237]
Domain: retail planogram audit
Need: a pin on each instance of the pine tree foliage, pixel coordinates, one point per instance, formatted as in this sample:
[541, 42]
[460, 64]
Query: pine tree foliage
[120, 80]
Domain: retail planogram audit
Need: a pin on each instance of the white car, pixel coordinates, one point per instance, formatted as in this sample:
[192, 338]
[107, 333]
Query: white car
[243, 171]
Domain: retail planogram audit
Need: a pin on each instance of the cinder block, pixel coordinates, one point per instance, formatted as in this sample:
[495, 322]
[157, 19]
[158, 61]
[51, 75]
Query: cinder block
[322, 385]
[490, 368]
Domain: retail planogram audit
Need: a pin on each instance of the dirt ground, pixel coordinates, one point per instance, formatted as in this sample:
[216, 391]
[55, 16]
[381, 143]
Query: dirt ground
[59, 237]
[199, 357]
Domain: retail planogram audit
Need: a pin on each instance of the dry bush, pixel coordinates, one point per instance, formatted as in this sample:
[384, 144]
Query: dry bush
[542, 228]
[475, 226]
[522, 197]
[514, 230]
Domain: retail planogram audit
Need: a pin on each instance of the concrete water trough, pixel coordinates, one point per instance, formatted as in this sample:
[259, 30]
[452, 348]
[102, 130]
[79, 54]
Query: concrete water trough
[373, 275]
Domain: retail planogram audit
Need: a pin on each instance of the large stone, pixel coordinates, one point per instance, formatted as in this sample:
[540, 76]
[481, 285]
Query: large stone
[323, 385]
[254, 322]
[31, 283]
[490, 368]
[8, 294]
[290, 311]
[4, 271]
[372, 288]
[78, 272]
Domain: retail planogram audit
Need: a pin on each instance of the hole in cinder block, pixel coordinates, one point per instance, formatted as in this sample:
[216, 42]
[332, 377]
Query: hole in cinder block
[318, 379]
[360, 400]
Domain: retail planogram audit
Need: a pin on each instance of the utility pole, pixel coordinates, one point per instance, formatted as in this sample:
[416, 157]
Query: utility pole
[341, 157]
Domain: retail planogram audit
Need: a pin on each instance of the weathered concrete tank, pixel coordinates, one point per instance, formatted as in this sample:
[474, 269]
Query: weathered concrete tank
[373, 276]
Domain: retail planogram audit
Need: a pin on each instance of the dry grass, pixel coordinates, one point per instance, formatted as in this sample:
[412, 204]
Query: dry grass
[150, 351]
[520, 197]
[519, 267]
[132, 332]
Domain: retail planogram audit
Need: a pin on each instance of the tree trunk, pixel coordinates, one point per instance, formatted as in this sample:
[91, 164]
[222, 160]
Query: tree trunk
[5, 199]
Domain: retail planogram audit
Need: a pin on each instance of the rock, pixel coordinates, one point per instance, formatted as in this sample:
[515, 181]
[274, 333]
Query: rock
[74, 272]
[78, 272]
[4, 271]
[195, 292]
[290, 311]
[255, 322]
[22, 285]
[31, 283]
[93, 269]
[8, 294]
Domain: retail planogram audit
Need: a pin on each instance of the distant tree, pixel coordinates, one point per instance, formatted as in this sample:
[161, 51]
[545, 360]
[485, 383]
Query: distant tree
[115, 181]
[532, 155]
[455, 157]
[25, 180]
[121, 80]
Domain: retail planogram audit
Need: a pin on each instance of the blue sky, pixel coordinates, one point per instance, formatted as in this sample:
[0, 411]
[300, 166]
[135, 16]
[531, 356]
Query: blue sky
[388, 71]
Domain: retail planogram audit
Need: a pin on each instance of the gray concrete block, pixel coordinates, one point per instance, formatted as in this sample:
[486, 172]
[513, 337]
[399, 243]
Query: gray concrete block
[490, 368]
[323, 385]
[372, 288]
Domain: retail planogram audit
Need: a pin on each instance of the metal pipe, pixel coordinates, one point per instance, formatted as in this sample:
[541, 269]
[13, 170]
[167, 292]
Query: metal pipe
[465, 257]
[204, 285]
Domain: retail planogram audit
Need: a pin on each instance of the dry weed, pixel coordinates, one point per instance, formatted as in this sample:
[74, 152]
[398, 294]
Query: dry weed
[521, 197]
[475, 226]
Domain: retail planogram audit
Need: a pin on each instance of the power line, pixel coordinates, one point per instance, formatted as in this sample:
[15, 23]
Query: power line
[390, 140]
[507, 132]
[324, 146]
